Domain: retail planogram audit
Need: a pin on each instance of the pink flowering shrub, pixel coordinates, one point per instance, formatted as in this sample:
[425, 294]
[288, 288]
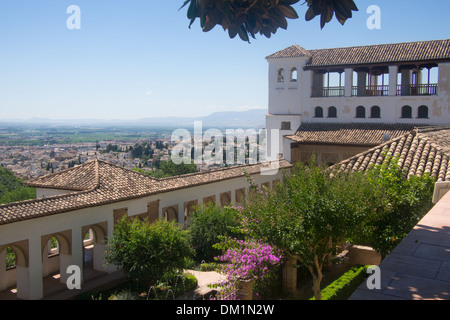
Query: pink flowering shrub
[245, 260]
[249, 259]
[227, 291]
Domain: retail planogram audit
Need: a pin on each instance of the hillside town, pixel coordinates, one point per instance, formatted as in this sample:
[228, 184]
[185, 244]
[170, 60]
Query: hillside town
[30, 162]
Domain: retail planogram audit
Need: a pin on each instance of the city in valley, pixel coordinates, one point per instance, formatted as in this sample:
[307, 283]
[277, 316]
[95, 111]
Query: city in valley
[35, 150]
[31, 152]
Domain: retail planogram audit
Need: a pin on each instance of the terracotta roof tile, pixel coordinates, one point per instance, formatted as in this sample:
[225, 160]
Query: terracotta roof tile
[294, 51]
[79, 178]
[372, 54]
[362, 134]
[102, 183]
[421, 151]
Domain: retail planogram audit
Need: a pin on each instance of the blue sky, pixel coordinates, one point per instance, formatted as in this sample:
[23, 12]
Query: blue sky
[138, 58]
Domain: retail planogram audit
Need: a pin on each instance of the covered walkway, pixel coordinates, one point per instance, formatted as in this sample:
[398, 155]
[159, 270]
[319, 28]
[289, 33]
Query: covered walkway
[55, 290]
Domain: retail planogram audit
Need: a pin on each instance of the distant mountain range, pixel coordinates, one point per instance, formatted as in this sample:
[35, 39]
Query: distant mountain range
[255, 118]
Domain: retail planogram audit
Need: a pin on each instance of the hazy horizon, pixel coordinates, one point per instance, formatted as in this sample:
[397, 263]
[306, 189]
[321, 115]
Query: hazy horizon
[138, 59]
[30, 119]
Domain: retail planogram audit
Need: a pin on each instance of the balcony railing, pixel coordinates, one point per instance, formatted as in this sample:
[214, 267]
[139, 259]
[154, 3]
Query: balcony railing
[323, 92]
[376, 91]
[417, 89]
[370, 91]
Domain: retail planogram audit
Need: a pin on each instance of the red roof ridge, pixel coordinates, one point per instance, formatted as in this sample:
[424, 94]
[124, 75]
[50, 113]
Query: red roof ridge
[419, 153]
[428, 50]
[379, 45]
[40, 182]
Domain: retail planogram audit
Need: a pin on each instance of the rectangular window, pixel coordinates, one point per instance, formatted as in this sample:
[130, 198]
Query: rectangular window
[286, 125]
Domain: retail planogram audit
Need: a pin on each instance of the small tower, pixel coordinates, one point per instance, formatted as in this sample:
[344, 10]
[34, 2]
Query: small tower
[287, 87]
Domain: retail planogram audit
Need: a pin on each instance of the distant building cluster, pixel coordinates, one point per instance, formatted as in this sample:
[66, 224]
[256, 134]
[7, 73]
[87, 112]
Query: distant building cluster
[31, 162]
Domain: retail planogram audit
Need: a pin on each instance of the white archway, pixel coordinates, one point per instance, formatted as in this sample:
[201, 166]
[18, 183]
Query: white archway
[94, 247]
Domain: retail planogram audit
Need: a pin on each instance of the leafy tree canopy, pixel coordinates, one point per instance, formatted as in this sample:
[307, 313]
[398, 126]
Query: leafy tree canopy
[170, 169]
[208, 224]
[397, 204]
[247, 18]
[306, 215]
[13, 189]
[8, 181]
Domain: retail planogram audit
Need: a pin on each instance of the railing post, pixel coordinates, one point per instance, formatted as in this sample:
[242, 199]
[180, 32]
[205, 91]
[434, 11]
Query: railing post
[417, 90]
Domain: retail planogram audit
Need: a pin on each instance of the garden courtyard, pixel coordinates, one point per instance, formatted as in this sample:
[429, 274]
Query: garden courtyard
[295, 241]
[268, 247]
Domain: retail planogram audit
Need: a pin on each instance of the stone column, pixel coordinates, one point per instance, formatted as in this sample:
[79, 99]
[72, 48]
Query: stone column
[29, 278]
[65, 260]
[233, 197]
[290, 275]
[317, 85]
[181, 214]
[45, 260]
[245, 289]
[362, 83]
[393, 72]
[3, 282]
[77, 249]
[348, 82]
[99, 256]
[406, 82]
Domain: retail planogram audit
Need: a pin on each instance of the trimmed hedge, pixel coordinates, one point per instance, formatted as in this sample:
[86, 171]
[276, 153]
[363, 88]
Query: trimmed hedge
[178, 285]
[210, 266]
[127, 291]
[344, 286]
[190, 283]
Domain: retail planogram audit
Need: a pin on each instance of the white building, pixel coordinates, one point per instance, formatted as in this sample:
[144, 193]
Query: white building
[335, 103]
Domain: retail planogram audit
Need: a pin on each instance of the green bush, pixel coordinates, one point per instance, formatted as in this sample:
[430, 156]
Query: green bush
[210, 266]
[173, 287]
[124, 295]
[190, 282]
[146, 252]
[180, 282]
[343, 287]
[207, 225]
[177, 284]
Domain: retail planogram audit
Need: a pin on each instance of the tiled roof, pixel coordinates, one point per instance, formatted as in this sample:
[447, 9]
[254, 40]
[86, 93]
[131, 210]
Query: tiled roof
[424, 150]
[70, 179]
[372, 54]
[103, 183]
[294, 51]
[358, 134]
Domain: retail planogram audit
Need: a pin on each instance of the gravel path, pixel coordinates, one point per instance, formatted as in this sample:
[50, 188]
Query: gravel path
[206, 277]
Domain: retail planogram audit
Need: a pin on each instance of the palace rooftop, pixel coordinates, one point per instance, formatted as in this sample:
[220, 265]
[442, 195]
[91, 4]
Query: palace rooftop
[98, 183]
[432, 51]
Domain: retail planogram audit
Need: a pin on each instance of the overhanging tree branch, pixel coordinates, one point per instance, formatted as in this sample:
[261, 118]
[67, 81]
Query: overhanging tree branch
[247, 18]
